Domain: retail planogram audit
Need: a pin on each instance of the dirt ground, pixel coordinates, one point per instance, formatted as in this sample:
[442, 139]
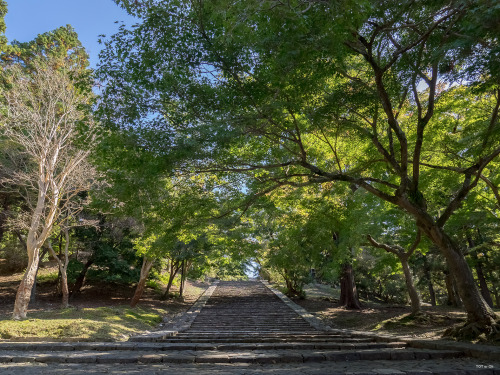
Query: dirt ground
[97, 295]
[322, 301]
[385, 319]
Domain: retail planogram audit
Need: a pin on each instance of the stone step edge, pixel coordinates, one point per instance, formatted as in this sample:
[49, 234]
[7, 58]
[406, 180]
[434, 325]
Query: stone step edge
[314, 321]
[182, 323]
[225, 357]
[479, 351]
[153, 346]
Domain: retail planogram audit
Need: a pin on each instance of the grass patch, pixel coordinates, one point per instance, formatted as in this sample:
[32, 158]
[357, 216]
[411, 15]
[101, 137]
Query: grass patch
[115, 323]
[49, 276]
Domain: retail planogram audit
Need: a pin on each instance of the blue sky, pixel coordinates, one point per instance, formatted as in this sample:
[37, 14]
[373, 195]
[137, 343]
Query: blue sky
[28, 18]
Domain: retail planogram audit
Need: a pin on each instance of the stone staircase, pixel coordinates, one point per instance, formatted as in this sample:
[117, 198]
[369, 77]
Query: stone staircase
[247, 323]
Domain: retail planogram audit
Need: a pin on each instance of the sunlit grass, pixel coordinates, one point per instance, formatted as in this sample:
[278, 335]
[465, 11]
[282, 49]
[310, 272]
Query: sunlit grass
[87, 324]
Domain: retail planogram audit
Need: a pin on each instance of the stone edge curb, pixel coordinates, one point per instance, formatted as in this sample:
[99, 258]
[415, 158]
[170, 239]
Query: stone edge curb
[314, 321]
[183, 322]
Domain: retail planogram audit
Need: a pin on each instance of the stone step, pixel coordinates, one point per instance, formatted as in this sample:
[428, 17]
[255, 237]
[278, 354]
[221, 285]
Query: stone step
[249, 328]
[291, 335]
[257, 339]
[158, 347]
[220, 356]
[225, 324]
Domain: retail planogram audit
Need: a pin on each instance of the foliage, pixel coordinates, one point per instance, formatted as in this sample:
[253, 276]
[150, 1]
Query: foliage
[312, 93]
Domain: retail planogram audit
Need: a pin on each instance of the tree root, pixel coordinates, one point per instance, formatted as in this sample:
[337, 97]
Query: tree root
[475, 332]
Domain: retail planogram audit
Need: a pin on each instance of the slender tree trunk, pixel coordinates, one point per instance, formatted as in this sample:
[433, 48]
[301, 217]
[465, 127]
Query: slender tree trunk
[174, 268]
[432, 293]
[430, 285]
[80, 280]
[64, 272]
[453, 299]
[187, 265]
[24, 290]
[403, 257]
[348, 292]
[412, 291]
[477, 309]
[64, 290]
[183, 277]
[497, 296]
[63, 266]
[483, 286]
[146, 267]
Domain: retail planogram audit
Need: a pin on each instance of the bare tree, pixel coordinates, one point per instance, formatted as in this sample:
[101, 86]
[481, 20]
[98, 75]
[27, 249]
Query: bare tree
[45, 113]
[82, 180]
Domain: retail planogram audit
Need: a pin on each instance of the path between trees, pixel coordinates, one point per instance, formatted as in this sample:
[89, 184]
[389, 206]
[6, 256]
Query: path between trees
[247, 327]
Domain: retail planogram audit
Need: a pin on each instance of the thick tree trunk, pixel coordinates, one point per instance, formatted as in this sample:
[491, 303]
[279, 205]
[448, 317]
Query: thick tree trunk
[477, 309]
[24, 290]
[146, 267]
[33, 290]
[80, 280]
[348, 292]
[412, 291]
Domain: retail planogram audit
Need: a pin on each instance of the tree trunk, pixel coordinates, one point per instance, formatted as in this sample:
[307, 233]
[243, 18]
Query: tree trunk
[183, 277]
[24, 290]
[63, 266]
[453, 298]
[483, 286]
[146, 267]
[432, 293]
[80, 280]
[33, 290]
[482, 280]
[430, 285]
[64, 289]
[348, 292]
[497, 296]
[174, 268]
[477, 309]
[414, 297]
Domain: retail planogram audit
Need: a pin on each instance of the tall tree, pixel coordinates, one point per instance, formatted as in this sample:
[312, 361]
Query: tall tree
[305, 92]
[45, 114]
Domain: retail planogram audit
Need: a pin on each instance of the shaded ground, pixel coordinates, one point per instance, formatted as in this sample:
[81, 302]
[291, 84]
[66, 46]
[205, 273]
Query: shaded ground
[100, 312]
[393, 319]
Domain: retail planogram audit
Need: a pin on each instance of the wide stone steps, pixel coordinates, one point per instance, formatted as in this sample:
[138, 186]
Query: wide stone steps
[84, 346]
[237, 355]
[246, 324]
[256, 337]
